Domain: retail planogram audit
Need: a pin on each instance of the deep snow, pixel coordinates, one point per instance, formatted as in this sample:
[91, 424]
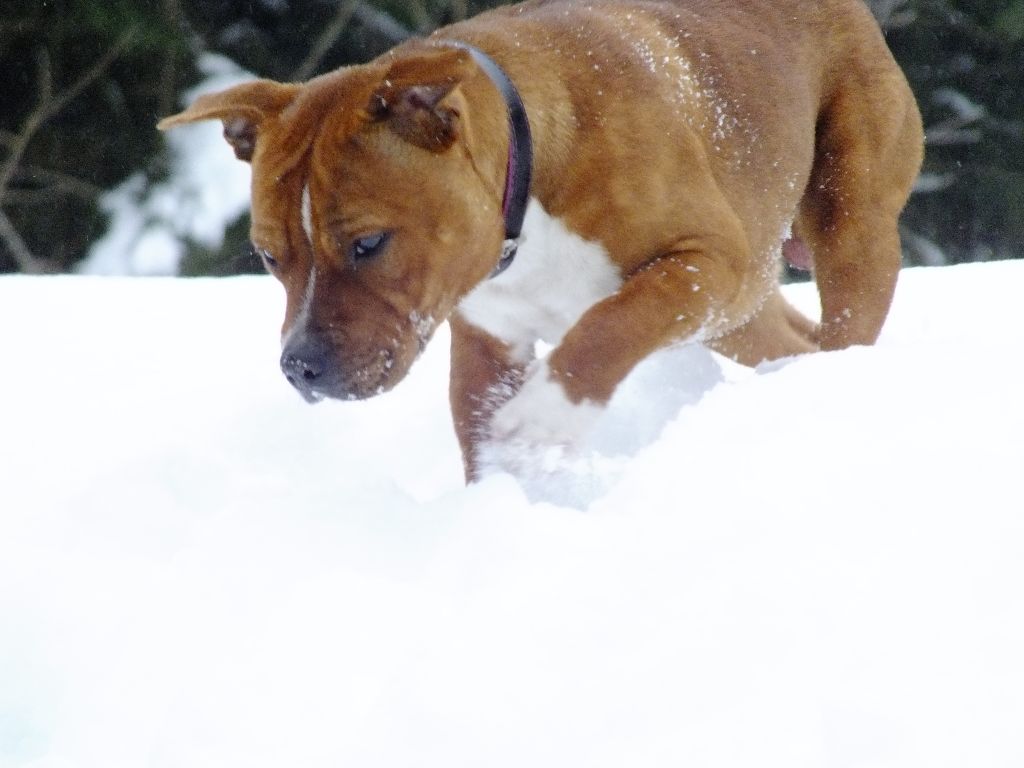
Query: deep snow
[817, 564]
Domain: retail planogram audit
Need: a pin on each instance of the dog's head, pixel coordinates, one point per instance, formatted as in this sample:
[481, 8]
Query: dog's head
[372, 204]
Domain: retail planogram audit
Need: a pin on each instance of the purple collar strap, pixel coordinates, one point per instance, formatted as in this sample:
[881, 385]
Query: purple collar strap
[520, 155]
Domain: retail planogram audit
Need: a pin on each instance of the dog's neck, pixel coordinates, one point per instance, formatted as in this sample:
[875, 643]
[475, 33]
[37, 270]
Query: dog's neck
[519, 167]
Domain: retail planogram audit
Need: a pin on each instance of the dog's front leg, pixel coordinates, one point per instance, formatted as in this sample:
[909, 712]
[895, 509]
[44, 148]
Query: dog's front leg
[690, 293]
[484, 374]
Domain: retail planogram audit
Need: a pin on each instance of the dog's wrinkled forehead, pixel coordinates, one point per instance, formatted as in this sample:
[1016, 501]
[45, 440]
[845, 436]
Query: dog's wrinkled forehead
[332, 126]
[345, 153]
[280, 202]
[403, 90]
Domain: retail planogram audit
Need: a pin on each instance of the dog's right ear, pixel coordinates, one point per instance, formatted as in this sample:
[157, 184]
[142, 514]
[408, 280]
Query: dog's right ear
[242, 109]
[412, 97]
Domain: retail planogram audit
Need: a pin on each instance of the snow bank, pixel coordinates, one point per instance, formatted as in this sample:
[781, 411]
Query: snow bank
[815, 564]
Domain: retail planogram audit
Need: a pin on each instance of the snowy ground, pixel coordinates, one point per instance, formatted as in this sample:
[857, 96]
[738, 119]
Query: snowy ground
[817, 564]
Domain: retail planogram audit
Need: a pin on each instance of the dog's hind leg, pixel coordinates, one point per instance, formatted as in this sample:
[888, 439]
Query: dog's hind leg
[867, 155]
[777, 330]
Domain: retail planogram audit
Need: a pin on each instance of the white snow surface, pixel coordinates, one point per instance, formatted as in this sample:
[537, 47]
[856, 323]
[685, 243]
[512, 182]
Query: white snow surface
[820, 563]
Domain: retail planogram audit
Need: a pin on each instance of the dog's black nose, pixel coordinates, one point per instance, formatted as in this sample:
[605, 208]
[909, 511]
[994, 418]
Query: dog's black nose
[305, 362]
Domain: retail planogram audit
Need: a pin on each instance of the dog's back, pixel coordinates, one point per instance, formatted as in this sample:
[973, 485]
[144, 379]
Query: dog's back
[795, 107]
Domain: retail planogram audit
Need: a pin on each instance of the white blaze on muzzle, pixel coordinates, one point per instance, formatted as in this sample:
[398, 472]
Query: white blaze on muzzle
[301, 322]
[307, 215]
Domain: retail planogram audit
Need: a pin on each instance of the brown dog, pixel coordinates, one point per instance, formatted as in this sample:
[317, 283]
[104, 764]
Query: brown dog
[674, 144]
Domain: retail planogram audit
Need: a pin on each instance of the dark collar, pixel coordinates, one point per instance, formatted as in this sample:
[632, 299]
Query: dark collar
[520, 155]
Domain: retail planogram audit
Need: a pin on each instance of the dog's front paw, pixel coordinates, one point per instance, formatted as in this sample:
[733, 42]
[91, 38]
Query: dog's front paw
[541, 414]
[541, 438]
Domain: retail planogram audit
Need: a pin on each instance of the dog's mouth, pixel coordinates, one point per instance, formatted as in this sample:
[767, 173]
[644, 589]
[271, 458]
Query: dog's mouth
[354, 381]
[371, 379]
[320, 366]
[309, 395]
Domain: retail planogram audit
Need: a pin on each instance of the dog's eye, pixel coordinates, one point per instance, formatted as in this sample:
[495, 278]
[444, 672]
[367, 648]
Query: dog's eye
[268, 260]
[369, 246]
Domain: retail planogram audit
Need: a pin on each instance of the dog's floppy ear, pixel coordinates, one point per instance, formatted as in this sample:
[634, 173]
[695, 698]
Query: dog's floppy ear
[242, 109]
[413, 97]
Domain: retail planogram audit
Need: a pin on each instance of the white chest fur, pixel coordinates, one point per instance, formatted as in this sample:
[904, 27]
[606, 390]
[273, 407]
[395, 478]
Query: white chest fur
[556, 277]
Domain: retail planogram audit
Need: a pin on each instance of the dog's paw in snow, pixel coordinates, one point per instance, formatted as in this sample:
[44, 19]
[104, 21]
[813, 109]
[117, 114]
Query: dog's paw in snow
[541, 437]
[541, 414]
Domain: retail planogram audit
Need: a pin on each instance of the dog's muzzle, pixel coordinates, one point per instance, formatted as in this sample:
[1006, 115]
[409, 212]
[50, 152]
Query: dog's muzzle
[313, 365]
[306, 363]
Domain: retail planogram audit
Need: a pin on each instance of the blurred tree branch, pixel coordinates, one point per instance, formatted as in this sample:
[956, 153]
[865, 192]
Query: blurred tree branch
[892, 13]
[175, 17]
[326, 39]
[26, 260]
[420, 15]
[460, 9]
[48, 104]
[348, 10]
[381, 23]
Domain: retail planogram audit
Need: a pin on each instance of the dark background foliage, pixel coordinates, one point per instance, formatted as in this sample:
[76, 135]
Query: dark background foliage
[86, 80]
